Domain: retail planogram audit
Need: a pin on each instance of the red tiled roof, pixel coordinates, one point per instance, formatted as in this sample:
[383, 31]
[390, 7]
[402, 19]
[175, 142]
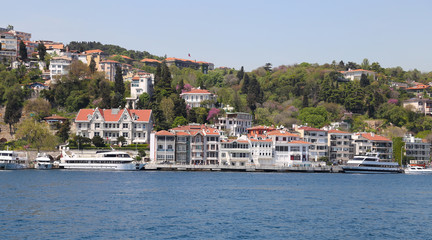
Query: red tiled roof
[197, 91]
[107, 114]
[260, 140]
[183, 133]
[136, 78]
[374, 137]
[211, 131]
[262, 128]
[55, 117]
[164, 133]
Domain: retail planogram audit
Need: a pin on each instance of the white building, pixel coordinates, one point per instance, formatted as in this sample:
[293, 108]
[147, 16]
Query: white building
[370, 142]
[58, 67]
[416, 150]
[236, 152]
[341, 148]
[356, 74]
[141, 83]
[318, 139]
[134, 125]
[195, 97]
[235, 124]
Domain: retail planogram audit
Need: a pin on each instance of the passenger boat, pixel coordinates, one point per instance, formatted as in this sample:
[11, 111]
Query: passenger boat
[43, 161]
[412, 169]
[101, 160]
[371, 163]
[12, 160]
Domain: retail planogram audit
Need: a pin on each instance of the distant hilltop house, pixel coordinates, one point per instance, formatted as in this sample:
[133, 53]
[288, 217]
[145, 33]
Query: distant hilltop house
[141, 83]
[151, 62]
[9, 45]
[195, 98]
[58, 67]
[134, 125]
[419, 89]
[356, 74]
[185, 63]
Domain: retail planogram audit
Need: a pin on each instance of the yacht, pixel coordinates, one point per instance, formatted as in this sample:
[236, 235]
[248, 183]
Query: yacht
[371, 163]
[43, 161]
[101, 160]
[412, 169]
[12, 160]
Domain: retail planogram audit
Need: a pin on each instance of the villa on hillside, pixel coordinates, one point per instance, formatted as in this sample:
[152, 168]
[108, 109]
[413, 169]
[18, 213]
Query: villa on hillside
[195, 97]
[356, 74]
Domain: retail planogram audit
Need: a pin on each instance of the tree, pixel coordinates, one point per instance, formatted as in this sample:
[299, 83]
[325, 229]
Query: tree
[245, 85]
[105, 94]
[167, 107]
[365, 64]
[119, 86]
[268, 67]
[98, 141]
[36, 134]
[38, 107]
[42, 51]
[14, 106]
[315, 117]
[240, 73]
[144, 101]
[92, 66]
[364, 80]
[23, 51]
[179, 121]
[63, 132]
[121, 140]
[78, 71]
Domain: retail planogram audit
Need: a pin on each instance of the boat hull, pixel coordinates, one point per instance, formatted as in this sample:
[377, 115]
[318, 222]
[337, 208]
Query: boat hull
[107, 167]
[349, 169]
[43, 166]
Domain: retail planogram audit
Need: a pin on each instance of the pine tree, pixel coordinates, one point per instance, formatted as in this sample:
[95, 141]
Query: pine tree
[42, 51]
[119, 89]
[23, 51]
[240, 74]
[245, 86]
[92, 66]
[254, 94]
[14, 106]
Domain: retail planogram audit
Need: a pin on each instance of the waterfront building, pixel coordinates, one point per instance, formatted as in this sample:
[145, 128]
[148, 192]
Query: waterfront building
[134, 125]
[356, 74]
[318, 139]
[370, 142]
[341, 148]
[417, 150]
[199, 97]
[236, 152]
[234, 123]
[288, 148]
[419, 105]
[261, 150]
[193, 144]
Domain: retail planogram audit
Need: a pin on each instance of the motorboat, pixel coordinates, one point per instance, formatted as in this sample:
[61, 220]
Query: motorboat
[101, 160]
[371, 163]
[43, 161]
[413, 169]
[12, 160]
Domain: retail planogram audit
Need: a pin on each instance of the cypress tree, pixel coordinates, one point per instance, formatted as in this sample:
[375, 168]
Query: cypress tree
[240, 73]
[119, 89]
[245, 86]
[92, 66]
[42, 51]
[23, 51]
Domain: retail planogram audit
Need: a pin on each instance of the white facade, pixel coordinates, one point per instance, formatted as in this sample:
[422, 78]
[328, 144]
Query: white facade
[416, 150]
[195, 97]
[236, 152]
[318, 139]
[58, 67]
[142, 83]
[235, 124]
[9, 45]
[356, 74]
[134, 125]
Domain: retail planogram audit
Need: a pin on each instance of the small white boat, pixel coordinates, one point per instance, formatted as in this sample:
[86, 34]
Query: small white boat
[43, 161]
[10, 160]
[417, 170]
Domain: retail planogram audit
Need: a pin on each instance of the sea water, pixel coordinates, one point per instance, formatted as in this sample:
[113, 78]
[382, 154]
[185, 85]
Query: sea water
[59, 204]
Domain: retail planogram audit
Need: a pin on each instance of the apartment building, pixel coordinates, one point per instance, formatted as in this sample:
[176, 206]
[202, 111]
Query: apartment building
[417, 150]
[419, 105]
[370, 142]
[318, 139]
[234, 123]
[341, 148]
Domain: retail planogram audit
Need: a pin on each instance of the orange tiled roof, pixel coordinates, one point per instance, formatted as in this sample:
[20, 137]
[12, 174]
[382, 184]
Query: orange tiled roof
[374, 137]
[419, 87]
[164, 133]
[143, 115]
[260, 140]
[262, 128]
[282, 133]
[55, 46]
[107, 114]
[150, 60]
[55, 117]
[93, 51]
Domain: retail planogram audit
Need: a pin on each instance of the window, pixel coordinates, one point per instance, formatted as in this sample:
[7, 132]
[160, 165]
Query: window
[96, 133]
[79, 125]
[125, 134]
[97, 125]
[125, 125]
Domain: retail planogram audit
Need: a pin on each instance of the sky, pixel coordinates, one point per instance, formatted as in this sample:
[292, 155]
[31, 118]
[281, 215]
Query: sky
[241, 33]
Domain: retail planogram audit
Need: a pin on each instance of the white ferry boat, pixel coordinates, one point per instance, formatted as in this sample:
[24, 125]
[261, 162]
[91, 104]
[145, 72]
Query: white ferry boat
[102, 160]
[12, 160]
[371, 163]
[412, 169]
[43, 161]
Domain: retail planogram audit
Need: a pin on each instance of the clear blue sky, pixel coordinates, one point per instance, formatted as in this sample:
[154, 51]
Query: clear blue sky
[241, 33]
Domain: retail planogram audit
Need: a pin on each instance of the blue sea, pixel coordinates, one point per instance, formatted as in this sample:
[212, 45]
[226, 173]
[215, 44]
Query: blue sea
[57, 204]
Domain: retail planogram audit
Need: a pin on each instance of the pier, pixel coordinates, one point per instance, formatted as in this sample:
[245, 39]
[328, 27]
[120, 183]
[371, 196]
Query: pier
[228, 168]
